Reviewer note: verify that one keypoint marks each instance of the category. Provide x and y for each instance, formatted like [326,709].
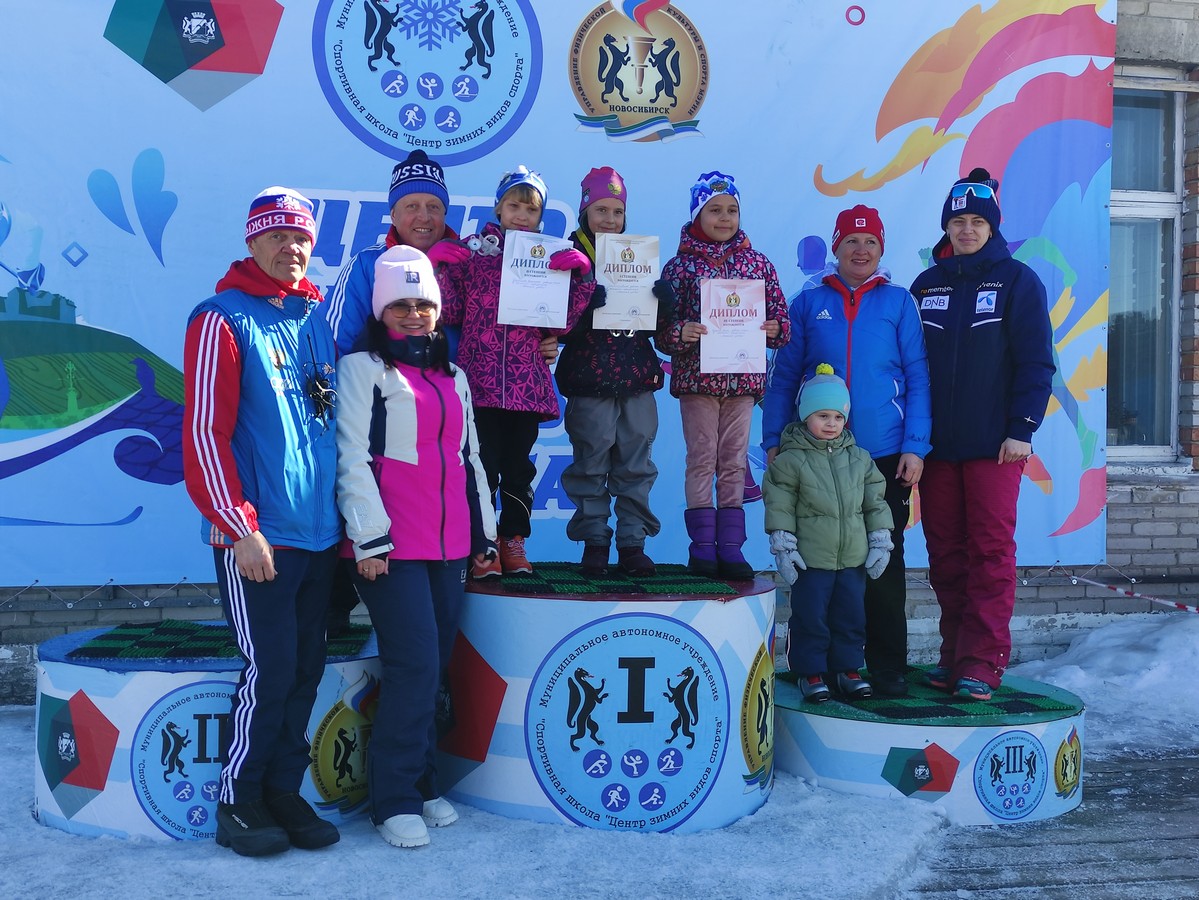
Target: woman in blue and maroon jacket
[990,361]
[409,485]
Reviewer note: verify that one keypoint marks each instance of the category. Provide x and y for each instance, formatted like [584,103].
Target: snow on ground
[806,842]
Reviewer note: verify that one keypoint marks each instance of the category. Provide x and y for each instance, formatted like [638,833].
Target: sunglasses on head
[424,308]
[981,191]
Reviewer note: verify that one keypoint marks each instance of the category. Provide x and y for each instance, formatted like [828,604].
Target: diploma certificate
[531,293]
[627,266]
[734,311]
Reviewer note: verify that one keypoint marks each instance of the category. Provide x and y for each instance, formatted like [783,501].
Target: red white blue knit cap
[709,185]
[403,273]
[280,207]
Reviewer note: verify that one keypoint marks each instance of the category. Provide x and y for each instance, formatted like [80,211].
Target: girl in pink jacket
[511,383]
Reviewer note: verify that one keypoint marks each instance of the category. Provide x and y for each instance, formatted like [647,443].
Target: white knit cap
[403,273]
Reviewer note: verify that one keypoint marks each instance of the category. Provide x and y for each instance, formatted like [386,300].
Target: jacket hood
[993,251]
[833,270]
[247,276]
[691,245]
[797,437]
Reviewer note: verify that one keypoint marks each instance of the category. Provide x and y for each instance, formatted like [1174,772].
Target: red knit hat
[859,220]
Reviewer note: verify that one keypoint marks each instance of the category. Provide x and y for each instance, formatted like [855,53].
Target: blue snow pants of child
[828,621]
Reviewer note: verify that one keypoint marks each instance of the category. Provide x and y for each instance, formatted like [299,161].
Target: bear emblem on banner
[639,70]
[455,80]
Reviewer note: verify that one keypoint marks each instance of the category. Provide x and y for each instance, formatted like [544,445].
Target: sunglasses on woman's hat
[981,191]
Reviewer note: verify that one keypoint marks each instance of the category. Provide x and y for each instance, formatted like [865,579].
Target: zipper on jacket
[440,458]
[849,338]
[837,490]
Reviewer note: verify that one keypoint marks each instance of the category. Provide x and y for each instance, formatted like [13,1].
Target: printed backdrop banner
[135,132]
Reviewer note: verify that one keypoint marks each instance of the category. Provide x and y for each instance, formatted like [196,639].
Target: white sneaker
[404,831]
[438,813]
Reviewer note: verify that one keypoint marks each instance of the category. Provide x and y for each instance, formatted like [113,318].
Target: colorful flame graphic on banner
[1058,225]
[639,10]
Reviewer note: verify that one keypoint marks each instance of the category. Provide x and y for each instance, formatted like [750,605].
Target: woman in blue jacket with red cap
[869,330]
[990,357]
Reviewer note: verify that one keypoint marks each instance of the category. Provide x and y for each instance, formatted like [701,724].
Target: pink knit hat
[600,184]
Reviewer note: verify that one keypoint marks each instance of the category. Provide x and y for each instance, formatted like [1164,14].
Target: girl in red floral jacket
[509,380]
[716,408]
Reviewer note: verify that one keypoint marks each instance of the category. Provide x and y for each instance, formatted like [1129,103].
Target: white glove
[786,555]
[879,553]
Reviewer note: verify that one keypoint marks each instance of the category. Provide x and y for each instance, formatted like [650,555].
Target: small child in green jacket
[829,528]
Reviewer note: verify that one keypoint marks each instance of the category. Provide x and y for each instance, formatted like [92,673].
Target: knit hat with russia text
[418,175]
[280,208]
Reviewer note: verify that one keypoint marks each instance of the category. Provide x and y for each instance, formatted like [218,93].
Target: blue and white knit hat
[418,175]
[709,185]
[824,390]
[521,175]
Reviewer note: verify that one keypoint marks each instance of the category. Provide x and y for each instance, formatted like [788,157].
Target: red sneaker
[512,556]
[488,571]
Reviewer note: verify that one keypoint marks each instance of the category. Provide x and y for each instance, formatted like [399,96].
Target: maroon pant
[968,510]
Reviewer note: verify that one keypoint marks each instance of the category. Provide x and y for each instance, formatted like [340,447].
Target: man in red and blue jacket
[260,460]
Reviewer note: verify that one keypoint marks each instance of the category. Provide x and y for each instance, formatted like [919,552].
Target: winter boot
[512,556]
[595,560]
[634,562]
[305,829]
[249,829]
[730,537]
[852,686]
[701,528]
[813,688]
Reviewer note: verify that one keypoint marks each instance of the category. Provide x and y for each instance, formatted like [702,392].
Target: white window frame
[1160,206]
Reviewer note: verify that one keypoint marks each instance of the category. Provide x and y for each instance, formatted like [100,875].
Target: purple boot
[730,537]
[701,528]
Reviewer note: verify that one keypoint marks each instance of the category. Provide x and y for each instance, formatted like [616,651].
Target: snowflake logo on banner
[454,78]
[430,22]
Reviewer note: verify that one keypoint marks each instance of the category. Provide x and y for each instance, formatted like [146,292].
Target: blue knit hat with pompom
[824,390]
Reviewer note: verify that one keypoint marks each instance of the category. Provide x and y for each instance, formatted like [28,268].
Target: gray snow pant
[611,437]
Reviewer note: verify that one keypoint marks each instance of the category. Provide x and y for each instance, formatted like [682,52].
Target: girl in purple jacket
[511,383]
[716,409]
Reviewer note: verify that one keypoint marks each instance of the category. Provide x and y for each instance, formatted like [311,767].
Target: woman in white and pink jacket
[413,494]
